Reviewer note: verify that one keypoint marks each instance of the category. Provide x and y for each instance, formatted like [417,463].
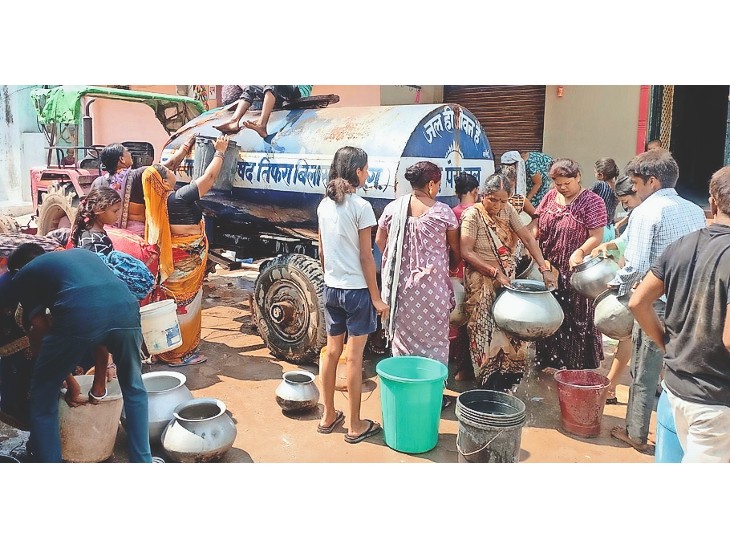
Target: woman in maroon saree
[570,225]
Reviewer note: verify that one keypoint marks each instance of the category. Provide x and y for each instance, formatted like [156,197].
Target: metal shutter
[512,116]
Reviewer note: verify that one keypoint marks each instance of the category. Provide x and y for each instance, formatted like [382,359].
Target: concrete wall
[367,96]
[116,121]
[590,122]
[21,146]
[411,95]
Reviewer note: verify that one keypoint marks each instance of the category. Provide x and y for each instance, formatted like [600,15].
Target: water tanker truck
[263,204]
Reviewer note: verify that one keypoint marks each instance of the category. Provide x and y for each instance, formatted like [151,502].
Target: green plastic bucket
[411,390]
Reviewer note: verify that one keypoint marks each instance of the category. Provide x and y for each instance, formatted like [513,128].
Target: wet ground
[242,373]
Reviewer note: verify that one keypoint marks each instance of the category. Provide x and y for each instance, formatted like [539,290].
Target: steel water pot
[527,310]
[527,269]
[612,316]
[297,391]
[200,431]
[165,391]
[591,277]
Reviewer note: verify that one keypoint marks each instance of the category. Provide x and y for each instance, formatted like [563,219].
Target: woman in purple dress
[570,225]
[415,233]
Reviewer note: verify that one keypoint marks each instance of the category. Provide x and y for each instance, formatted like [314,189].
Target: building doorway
[699,130]
[513,117]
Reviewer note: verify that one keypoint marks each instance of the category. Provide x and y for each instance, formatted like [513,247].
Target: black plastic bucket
[490,426]
[204,151]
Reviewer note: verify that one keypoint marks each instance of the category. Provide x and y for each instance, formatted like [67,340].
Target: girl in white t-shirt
[351,294]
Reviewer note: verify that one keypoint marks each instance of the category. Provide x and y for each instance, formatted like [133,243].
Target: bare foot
[620,434]
[228,127]
[256,127]
[465,374]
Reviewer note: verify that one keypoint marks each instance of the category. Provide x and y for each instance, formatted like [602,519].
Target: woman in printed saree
[127,181]
[490,232]
[175,223]
[415,233]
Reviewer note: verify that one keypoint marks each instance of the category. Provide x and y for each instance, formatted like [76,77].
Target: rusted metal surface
[282,313]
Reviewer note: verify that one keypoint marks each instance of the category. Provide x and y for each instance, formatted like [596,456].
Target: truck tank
[265,204]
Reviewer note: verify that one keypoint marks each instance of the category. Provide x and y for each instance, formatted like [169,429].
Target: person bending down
[76,285]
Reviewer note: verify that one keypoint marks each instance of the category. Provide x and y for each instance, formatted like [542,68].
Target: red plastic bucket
[582,396]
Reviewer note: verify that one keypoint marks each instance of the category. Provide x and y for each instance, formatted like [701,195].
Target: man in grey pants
[661,218]
[694,272]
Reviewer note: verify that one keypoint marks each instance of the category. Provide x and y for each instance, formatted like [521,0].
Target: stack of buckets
[490,426]
[411,391]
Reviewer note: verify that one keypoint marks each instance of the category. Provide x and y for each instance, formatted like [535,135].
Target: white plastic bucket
[160,328]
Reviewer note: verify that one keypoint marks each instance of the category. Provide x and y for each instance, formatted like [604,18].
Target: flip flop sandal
[372,429]
[194,359]
[339,419]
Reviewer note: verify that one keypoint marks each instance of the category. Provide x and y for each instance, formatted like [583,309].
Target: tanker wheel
[58,208]
[288,309]
[8,225]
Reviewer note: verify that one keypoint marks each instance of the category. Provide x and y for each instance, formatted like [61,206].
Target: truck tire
[8,225]
[288,308]
[58,208]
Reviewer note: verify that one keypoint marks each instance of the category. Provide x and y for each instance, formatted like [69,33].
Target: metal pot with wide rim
[201,431]
[528,310]
[527,269]
[590,277]
[612,316]
[297,392]
[165,391]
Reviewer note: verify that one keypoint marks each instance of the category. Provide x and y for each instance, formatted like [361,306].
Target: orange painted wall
[117,121]
[351,96]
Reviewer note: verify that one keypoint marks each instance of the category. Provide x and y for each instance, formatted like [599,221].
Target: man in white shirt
[662,218]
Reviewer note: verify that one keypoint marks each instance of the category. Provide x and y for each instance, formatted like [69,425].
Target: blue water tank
[279,182]
[668,448]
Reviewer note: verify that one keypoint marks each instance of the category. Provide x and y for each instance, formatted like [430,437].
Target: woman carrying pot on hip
[490,231]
